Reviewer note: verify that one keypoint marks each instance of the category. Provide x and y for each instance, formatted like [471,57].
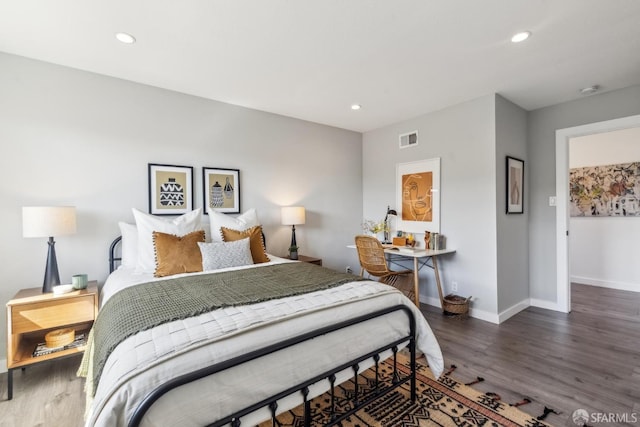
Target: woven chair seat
[373,261]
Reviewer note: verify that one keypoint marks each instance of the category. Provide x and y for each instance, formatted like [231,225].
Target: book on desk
[408,249]
[403,249]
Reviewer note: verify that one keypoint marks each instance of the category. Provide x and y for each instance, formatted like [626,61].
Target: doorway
[563,136]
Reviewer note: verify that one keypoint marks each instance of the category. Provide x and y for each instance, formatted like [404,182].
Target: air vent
[409,139]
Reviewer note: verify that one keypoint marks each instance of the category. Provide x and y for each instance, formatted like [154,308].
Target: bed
[248,361]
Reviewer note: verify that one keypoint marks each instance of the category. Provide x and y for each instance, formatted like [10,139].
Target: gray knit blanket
[146,305]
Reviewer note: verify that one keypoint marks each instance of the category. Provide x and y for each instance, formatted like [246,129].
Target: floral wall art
[608,190]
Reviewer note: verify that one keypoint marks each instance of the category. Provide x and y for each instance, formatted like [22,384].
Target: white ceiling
[312,59]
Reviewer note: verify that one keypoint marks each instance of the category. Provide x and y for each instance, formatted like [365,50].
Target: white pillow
[129,245]
[217,255]
[147,224]
[242,222]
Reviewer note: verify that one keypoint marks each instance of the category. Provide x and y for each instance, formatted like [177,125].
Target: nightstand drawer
[50,314]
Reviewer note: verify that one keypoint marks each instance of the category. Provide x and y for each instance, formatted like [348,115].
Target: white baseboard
[505,314]
[513,310]
[541,303]
[623,286]
[484,315]
[3,366]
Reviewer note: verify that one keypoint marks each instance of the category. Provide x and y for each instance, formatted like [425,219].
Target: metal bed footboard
[359,401]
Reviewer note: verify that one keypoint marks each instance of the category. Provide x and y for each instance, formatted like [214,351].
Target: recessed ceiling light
[520,37]
[589,90]
[356,107]
[126,38]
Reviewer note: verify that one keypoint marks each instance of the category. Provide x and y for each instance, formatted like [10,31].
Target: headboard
[112,254]
[113,250]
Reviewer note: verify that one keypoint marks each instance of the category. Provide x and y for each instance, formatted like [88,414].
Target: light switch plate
[552,200]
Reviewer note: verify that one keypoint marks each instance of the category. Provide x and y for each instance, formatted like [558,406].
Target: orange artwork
[416,196]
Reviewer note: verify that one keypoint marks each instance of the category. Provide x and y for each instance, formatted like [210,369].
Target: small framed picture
[170,189]
[221,190]
[515,185]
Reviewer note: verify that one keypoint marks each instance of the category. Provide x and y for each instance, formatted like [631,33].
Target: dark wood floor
[588,359]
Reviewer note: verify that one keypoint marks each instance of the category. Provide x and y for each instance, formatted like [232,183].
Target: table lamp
[49,221]
[386,224]
[293,215]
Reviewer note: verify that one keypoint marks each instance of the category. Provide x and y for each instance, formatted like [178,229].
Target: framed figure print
[221,190]
[418,196]
[515,185]
[170,189]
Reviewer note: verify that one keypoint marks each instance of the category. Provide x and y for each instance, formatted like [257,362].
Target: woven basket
[455,304]
[59,337]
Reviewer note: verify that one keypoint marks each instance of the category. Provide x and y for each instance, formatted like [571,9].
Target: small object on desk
[62,289]
[438,241]
[407,249]
[410,240]
[399,241]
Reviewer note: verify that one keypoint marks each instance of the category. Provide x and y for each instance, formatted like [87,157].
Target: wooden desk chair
[373,261]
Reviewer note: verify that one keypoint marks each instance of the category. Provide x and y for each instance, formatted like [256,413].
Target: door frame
[563,136]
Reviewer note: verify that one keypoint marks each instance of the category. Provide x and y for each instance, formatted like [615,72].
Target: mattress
[144,361]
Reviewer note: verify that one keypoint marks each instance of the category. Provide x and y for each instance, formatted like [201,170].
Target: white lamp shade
[48,221]
[293,215]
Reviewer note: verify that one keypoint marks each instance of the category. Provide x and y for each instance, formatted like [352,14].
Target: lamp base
[293,236]
[51,275]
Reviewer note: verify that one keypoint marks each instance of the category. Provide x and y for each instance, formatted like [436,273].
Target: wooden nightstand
[310,260]
[31,314]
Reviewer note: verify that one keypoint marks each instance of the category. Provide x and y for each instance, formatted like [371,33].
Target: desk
[421,258]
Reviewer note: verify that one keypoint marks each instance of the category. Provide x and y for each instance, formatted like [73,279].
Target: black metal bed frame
[303,388]
[112,254]
[359,400]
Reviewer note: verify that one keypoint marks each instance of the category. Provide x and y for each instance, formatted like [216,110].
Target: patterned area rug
[443,402]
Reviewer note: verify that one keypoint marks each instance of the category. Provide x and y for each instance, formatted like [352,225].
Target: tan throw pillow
[258,252]
[175,254]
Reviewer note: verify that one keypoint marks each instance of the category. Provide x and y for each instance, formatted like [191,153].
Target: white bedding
[142,362]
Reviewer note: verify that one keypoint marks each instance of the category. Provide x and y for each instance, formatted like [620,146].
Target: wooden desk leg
[434,261]
[416,287]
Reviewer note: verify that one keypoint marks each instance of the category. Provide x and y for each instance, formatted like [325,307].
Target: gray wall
[76,138]
[463,136]
[541,139]
[512,233]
